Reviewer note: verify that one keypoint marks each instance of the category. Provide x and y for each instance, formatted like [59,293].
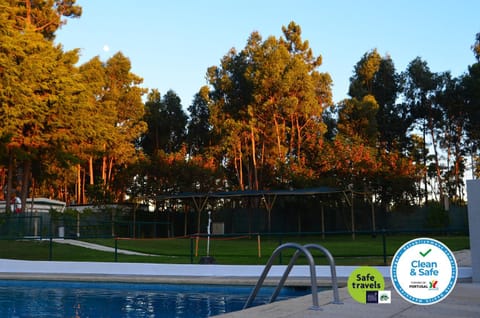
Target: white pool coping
[8,266]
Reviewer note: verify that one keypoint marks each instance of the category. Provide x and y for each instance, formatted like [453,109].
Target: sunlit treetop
[44,16]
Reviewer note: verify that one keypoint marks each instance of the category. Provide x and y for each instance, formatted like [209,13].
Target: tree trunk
[90,168]
[437,162]
[10,190]
[104,170]
[279,145]
[104,166]
[240,167]
[110,172]
[3,183]
[79,185]
[299,139]
[425,160]
[254,159]
[28,18]
[27,170]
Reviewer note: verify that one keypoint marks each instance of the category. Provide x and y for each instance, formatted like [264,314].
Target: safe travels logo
[366,285]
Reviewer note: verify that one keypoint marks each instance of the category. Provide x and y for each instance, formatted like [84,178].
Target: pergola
[268,197]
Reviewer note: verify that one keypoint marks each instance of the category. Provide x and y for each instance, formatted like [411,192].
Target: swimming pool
[85,299]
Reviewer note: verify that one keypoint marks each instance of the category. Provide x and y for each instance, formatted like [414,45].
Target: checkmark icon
[426,253]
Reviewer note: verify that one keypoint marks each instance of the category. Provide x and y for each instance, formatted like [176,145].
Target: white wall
[473,194]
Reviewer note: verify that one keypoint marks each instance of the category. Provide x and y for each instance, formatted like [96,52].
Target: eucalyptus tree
[198,128]
[123,99]
[357,120]
[451,100]
[266,104]
[97,121]
[372,128]
[166,122]
[420,90]
[375,75]
[166,168]
[173,123]
[362,81]
[231,93]
[150,141]
[471,85]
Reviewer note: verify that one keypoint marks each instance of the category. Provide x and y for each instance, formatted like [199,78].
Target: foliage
[265,121]
[43,16]
[166,123]
[437,217]
[266,107]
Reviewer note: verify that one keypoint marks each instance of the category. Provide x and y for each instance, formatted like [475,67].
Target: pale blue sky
[172,43]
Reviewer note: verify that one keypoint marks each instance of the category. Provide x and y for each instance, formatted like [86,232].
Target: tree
[394,119]
[376,76]
[452,137]
[43,16]
[476,47]
[471,88]
[371,134]
[357,120]
[199,128]
[151,139]
[173,122]
[166,123]
[362,82]
[231,94]
[39,94]
[266,105]
[123,96]
[97,119]
[420,89]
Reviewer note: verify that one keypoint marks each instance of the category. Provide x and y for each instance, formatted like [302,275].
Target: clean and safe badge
[424,271]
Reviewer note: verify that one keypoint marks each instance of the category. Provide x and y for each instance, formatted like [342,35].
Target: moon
[106,48]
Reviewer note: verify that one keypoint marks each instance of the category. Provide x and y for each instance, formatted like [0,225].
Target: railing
[313,275]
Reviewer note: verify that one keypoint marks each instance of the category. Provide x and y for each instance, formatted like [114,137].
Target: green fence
[22,226]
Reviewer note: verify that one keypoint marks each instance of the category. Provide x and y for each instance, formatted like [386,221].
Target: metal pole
[208,232]
[352,210]
[384,242]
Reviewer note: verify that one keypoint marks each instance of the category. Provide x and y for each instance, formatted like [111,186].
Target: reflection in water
[81,300]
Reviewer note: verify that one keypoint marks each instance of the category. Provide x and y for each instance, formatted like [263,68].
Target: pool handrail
[333,273]
[313,276]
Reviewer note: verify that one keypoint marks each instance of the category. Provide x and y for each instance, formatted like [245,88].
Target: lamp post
[208,259]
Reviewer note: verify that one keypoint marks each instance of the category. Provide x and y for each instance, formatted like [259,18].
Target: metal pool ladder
[313,275]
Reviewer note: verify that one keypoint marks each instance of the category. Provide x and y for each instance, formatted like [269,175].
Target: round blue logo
[424,271]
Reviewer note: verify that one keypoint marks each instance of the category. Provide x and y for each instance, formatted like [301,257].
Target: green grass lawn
[364,250]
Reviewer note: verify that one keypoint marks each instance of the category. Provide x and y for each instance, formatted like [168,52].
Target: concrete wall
[473,194]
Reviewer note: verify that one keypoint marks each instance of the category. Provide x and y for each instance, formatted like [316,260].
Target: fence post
[191,250]
[116,250]
[259,246]
[50,248]
[384,243]
[280,254]
[196,245]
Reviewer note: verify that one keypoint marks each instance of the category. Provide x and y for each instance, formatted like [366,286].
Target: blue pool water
[82,300]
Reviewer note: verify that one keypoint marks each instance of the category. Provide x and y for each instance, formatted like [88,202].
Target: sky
[172,43]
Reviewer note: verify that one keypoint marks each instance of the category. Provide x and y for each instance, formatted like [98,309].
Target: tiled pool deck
[464,301]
